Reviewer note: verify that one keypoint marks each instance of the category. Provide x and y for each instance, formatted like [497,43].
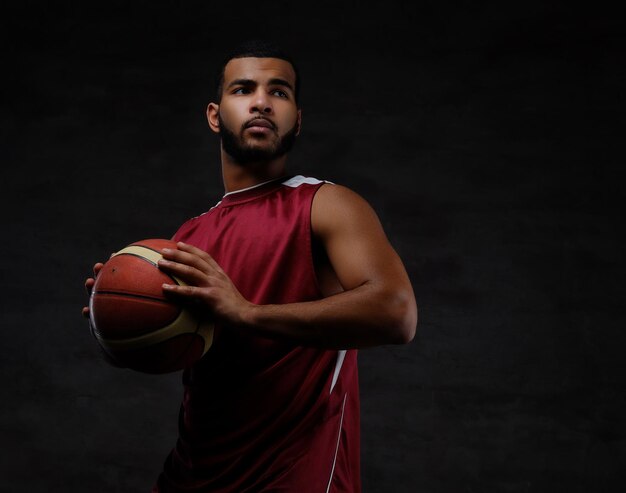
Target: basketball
[135,323]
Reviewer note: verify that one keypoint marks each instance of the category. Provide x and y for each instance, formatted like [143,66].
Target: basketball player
[298,274]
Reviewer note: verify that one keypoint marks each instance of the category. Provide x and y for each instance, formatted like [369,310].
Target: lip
[260,123]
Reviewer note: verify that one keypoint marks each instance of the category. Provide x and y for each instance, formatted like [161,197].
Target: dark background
[486,135]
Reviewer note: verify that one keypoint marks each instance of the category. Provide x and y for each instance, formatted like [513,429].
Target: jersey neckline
[253,192]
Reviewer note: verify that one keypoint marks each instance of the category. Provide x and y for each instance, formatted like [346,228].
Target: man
[298,274]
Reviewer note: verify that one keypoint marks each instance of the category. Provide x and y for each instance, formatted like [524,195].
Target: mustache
[256,118]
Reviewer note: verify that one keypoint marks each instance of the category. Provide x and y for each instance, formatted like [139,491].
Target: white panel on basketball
[183,324]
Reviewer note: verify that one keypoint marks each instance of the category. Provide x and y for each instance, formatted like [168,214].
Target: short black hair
[256,48]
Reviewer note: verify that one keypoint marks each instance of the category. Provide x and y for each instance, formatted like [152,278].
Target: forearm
[361,317]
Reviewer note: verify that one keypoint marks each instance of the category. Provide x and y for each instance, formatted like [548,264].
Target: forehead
[259,69]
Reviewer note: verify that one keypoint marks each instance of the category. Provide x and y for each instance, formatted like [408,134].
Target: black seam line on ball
[139,256]
[132,295]
[149,261]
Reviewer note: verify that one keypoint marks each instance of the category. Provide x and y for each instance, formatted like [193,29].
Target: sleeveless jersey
[261,414]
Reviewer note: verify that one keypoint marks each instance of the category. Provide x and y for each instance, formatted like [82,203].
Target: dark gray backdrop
[486,135]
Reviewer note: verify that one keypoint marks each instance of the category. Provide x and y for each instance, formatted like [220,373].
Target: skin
[368,298]
[260,97]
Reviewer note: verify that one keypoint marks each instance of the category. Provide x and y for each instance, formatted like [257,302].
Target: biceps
[359,257]
[353,239]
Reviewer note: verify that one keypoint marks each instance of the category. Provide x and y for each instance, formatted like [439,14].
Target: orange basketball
[135,323]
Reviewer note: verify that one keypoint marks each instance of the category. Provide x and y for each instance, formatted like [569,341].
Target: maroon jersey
[258,414]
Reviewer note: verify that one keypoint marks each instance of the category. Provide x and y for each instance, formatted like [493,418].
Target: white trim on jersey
[339,363]
[248,188]
[298,180]
[293,182]
[234,192]
[332,471]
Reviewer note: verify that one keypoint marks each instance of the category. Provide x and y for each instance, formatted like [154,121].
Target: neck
[237,176]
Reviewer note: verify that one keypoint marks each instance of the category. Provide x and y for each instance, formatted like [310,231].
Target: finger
[85,311]
[89,285]
[185,247]
[177,289]
[188,292]
[96,268]
[188,273]
[188,258]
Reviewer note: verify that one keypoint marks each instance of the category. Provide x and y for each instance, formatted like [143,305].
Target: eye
[280,93]
[241,90]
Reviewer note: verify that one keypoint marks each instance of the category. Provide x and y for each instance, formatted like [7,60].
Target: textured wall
[486,137]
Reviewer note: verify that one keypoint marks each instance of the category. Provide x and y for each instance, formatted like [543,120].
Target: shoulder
[331,192]
[337,206]
[194,223]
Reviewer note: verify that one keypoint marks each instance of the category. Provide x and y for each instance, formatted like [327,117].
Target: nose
[261,103]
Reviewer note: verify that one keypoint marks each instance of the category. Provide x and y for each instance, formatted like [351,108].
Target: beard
[245,153]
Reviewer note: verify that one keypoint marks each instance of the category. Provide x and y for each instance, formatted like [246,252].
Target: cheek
[289,119]
[231,116]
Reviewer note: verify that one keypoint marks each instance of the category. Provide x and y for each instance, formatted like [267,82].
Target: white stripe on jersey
[340,357]
[248,188]
[298,180]
[293,182]
[332,471]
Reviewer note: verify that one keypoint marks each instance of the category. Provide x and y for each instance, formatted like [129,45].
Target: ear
[212,112]
[299,122]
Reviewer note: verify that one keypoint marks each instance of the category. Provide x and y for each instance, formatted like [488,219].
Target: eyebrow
[250,82]
[280,82]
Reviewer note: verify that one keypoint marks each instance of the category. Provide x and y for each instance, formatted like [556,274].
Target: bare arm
[376,307]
